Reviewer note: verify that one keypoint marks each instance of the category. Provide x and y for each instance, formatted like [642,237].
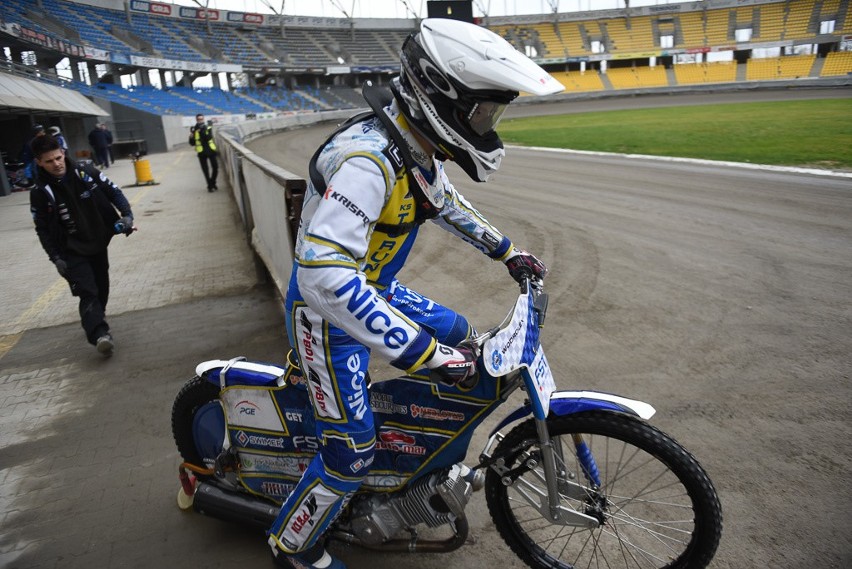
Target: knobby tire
[660,509]
[195,393]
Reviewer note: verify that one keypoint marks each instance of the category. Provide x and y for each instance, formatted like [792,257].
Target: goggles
[485,115]
[480,110]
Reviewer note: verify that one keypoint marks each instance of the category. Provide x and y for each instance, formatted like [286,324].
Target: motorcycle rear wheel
[657,506]
[195,394]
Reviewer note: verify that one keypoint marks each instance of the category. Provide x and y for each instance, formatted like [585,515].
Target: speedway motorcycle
[581,479]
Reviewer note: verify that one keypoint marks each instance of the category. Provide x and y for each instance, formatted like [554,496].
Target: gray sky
[397,8]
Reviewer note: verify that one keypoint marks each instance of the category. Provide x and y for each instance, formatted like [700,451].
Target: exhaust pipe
[413,545]
[215,502]
[247,510]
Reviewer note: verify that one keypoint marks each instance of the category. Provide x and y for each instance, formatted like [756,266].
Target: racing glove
[453,366]
[522,264]
[61,266]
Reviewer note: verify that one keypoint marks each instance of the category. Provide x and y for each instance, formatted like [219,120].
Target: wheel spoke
[633,547]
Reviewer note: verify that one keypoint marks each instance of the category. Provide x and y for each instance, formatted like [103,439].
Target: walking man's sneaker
[105,344]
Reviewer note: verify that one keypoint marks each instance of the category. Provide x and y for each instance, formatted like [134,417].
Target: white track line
[746,165]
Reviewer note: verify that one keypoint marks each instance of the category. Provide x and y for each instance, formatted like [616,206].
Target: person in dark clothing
[109,140]
[56,133]
[100,140]
[201,138]
[77,210]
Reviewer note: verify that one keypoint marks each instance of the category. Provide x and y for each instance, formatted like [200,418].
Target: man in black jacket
[74,210]
[101,139]
[201,138]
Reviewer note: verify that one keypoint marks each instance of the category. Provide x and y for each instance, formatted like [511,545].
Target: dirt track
[721,296]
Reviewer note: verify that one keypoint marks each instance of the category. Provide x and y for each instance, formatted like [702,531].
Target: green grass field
[813,133]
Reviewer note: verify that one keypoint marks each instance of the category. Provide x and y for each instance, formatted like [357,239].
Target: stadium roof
[20,93]
[409,8]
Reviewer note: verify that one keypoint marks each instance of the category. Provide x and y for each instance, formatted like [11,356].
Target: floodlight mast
[278,13]
[484,9]
[554,9]
[205,7]
[414,13]
[337,4]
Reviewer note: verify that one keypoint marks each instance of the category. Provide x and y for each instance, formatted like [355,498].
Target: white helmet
[457,79]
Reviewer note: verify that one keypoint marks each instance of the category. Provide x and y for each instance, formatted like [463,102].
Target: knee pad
[346,459]
[331,478]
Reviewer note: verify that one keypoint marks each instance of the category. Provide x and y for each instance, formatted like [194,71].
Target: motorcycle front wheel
[654,503]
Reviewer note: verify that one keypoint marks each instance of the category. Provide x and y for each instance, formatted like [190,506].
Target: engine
[435,500]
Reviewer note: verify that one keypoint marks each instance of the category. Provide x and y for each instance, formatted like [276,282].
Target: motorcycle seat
[242,372]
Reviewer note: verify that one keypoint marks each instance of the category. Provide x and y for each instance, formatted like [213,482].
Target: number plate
[542,383]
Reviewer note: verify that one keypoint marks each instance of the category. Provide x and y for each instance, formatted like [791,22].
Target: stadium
[141,63]
[718,292]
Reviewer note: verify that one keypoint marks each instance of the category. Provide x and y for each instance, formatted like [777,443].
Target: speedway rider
[372,184]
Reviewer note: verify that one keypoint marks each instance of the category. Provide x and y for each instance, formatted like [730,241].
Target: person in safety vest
[201,138]
[372,184]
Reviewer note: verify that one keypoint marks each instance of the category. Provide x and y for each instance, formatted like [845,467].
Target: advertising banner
[158,63]
[193,13]
[245,18]
[52,42]
[198,14]
[636,55]
[151,7]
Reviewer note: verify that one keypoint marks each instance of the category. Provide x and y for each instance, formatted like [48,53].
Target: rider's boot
[315,557]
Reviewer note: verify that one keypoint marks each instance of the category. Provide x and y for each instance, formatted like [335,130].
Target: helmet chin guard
[457,80]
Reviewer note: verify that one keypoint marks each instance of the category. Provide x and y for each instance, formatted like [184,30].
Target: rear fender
[570,402]
[208,427]
[239,371]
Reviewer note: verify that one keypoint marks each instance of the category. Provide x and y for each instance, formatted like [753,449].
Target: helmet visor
[485,115]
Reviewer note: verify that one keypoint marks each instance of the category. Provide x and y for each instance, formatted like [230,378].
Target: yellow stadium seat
[837,63]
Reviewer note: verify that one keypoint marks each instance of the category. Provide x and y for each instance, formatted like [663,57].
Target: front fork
[558,482]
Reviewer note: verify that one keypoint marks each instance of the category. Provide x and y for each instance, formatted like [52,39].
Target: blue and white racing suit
[344,303]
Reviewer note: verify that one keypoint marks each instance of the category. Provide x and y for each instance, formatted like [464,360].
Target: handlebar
[540,299]
[535,287]
[531,285]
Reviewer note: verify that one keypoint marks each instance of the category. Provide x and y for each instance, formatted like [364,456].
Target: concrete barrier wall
[267,195]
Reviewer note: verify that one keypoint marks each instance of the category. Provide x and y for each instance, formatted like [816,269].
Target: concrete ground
[88,470]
